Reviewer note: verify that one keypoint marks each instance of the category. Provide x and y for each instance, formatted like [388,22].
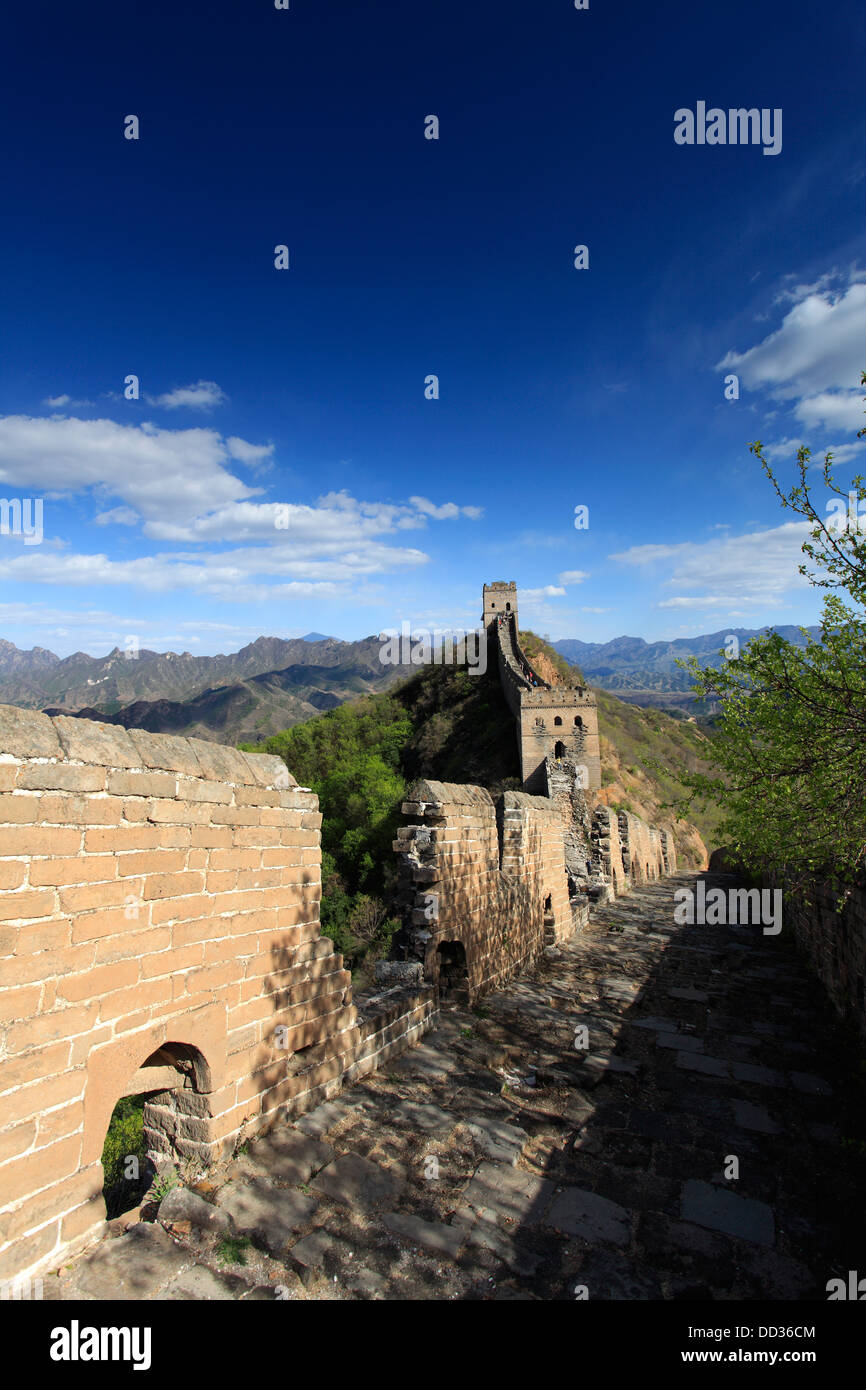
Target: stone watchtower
[499,598]
[556,722]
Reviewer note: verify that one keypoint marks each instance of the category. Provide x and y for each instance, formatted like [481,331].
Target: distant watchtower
[554,722]
[499,597]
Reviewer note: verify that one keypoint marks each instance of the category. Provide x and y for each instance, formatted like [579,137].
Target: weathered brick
[12,873]
[61,777]
[135,1002]
[183,909]
[122,839]
[25,906]
[172,885]
[27,734]
[192,789]
[18,1003]
[133,945]
[99,980]
[57,1026]
[166,752]
[171,812]
[221,764]
[97,868]
[268,770]
[19,808]
[151,862]
[89,896]
[85,741]
[141,784]
[35,1171]
[21,1254]
[167,963]
[39,839]
[15,1139]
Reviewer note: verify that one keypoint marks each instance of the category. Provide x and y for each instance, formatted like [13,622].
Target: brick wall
[487,875]
[833,942]
[159,933]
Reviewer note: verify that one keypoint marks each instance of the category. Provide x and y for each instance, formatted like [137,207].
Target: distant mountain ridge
[36,679]
[635,669]
[274,682]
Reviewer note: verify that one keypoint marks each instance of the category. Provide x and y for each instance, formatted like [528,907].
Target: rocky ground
[502,1159]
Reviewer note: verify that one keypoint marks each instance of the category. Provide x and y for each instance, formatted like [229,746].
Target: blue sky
[304,389]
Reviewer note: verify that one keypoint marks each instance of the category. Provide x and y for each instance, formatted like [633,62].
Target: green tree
[790,745]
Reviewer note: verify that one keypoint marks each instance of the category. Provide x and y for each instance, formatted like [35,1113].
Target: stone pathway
[498,1160]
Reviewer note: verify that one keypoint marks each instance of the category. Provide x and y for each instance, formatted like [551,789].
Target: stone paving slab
[589,1216]
[135,1266]
[357,1182]
[509,1193]
[725,1211]
[269,1214]
[433,1235]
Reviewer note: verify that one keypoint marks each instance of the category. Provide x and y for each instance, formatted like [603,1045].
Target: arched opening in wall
[549,922]
[161,1119]
[559,750]
[557,720]
[452,974]
[508,607]
[578,722]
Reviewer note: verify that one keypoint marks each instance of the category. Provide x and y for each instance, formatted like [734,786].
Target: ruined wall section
[489,876]
[548,717]
[159,933]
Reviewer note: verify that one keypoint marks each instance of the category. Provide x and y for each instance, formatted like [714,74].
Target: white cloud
[837,410]
[572,576]
[754,568]
[117,516]
[202,395]
[531,596]
[173,474]
[587,609]
[57,402]
[815,357]
[713,601]
[248,453]
[448,511]
[783,449]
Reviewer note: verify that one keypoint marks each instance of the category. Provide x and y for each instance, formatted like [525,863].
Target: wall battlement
[487,884]
[159,934]
[552,721]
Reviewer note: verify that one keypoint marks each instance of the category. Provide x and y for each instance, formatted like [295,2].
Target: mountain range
[646,673]
[267,686]
[275,682]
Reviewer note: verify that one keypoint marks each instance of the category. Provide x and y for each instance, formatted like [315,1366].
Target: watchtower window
[578,722]
[508,607]
[559,750]
[539,722]
[557,720]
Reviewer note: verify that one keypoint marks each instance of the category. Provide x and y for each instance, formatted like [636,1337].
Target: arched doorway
[559,750]
[549,922]
[452,973]
[162,1117]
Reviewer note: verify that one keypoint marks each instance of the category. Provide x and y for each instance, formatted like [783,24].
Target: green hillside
[450,726]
